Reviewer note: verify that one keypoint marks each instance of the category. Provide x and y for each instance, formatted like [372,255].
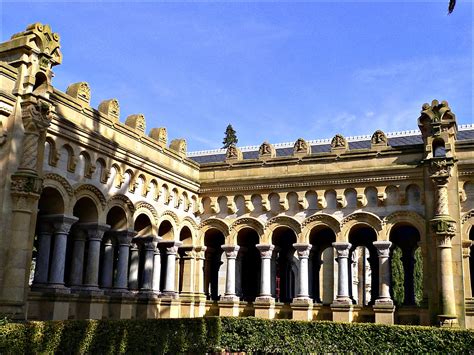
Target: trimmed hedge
[201,335]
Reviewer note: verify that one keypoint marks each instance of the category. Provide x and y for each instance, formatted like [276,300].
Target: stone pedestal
[384,312]
[90,307]
[302,309]
[229,308]
[121,306]
[148,306]
[264,307]
[170,308]
[341,312]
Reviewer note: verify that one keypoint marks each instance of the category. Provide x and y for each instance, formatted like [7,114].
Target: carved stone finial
[436,119]
[80,91]
[339,143]
[233,153]
[137,122]
[111,109]
[379,139]
[160,135]
[301,147]
[179,145]
[41,37]
[266,150]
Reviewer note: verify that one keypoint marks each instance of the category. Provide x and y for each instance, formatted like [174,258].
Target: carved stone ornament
[36,118]
[443,226]
[266,250]
[137,122]
[160,135]
[3,135]
[111,109]
[179,145]
[80,91]
[266,150]
[233,153]
[26,183]
[300,147]
[379,138]
[440,168]
[342,249]
[44,39]
[435,118]
[338,141]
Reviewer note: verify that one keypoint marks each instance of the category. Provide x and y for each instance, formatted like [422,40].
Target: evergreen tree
[398,277]
[230,137]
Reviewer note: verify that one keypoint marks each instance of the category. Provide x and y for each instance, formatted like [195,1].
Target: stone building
[113,223]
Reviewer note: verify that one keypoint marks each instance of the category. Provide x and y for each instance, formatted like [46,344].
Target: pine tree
[230,137]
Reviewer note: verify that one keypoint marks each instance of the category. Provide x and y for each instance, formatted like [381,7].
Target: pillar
[342,250]
[121,279]
[200,277]
[107,264]
[134,262]
[266,251]
[303,251]
[383,306]
[61,228]
[171,250]
[95,233]
[42,258]
[149,250]
[231,252]
[187,272]
[78,248]
[156,266]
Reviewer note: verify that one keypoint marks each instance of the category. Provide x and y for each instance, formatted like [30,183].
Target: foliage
[201,335]
[230,137]
[398,277]
[418,276]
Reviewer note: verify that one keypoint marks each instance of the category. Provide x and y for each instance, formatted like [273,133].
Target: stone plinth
[264,307]
[341,312]
[169,308]
[302,309]
[229,307]
[384,312]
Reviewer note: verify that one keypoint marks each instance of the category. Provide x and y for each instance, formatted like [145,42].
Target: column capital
[62,224]
[383,248]
[170,246]
[95,231]
[124,237]
[303,249]
[200,252]
[231,251]
[265,250]
[342,249]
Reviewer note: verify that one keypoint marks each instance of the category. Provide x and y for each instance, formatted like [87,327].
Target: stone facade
[100,220]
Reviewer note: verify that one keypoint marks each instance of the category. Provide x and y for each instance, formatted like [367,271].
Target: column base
[342,301]
[264,307]
[200,305]
[448,320]
[302,308]
[148,306]
[229,306]
[170,308]
[342,312]
[169,294]
[121,305]
[384,312]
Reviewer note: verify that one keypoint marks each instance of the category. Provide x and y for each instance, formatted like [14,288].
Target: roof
[395,139]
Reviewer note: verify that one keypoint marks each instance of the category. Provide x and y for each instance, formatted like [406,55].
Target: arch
[366,218]
[125,203]
[153,188]
[439,148]
[86,209]
[117,177]
[247,222]
[92,192]
[41,84]
[53,155]
[143,225]
[215,223]
[60,183]
[413,195]
[117,218]
[467,221]
[350,196]
[51,201]
[170,216]
[405,217]
[68,161]
[186,236]
[190,223]
[286,221]
[101,165]
[167,230]
[316,220]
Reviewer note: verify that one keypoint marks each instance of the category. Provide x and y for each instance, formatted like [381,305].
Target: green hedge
[202,335]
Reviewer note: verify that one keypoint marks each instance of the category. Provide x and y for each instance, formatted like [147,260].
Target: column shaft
[42,258]
[107,265]
[265,280]
[342,250]
[383,251]
[231,252]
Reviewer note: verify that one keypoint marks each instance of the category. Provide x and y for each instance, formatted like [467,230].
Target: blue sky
[276,71]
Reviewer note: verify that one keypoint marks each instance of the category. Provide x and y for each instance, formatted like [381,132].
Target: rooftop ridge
[252,148]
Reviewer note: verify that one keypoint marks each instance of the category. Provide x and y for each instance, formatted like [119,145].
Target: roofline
[252,148]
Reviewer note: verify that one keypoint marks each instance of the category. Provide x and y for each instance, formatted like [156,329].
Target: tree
[452,4]
[230,137]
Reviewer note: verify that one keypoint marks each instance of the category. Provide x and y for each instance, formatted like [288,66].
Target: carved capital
[383,248]
[303,250]
[342,249]
[442,226]
[266,250]
[231,251]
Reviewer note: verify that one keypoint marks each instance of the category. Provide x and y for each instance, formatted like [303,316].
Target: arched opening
[41,84]
[50,203]
[165,231]
[86,210]
[284,264]
[248,265]
[322,265]
[117,219]
[407,266]
[213,270]
[439,149]
[364,269]
[144,229]
[471,259]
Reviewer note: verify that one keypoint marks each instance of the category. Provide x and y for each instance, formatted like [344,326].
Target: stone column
[149,250]
[134,262]
[443,228]
[44,234]
[303,255]
[231,252]
[77,264]
[156,266]
[95,233]
[121,279]
[61,229]
[171,250]
[383,252]
[187,264]
[266,251]
[342,250]
[199,281]
[107,264]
